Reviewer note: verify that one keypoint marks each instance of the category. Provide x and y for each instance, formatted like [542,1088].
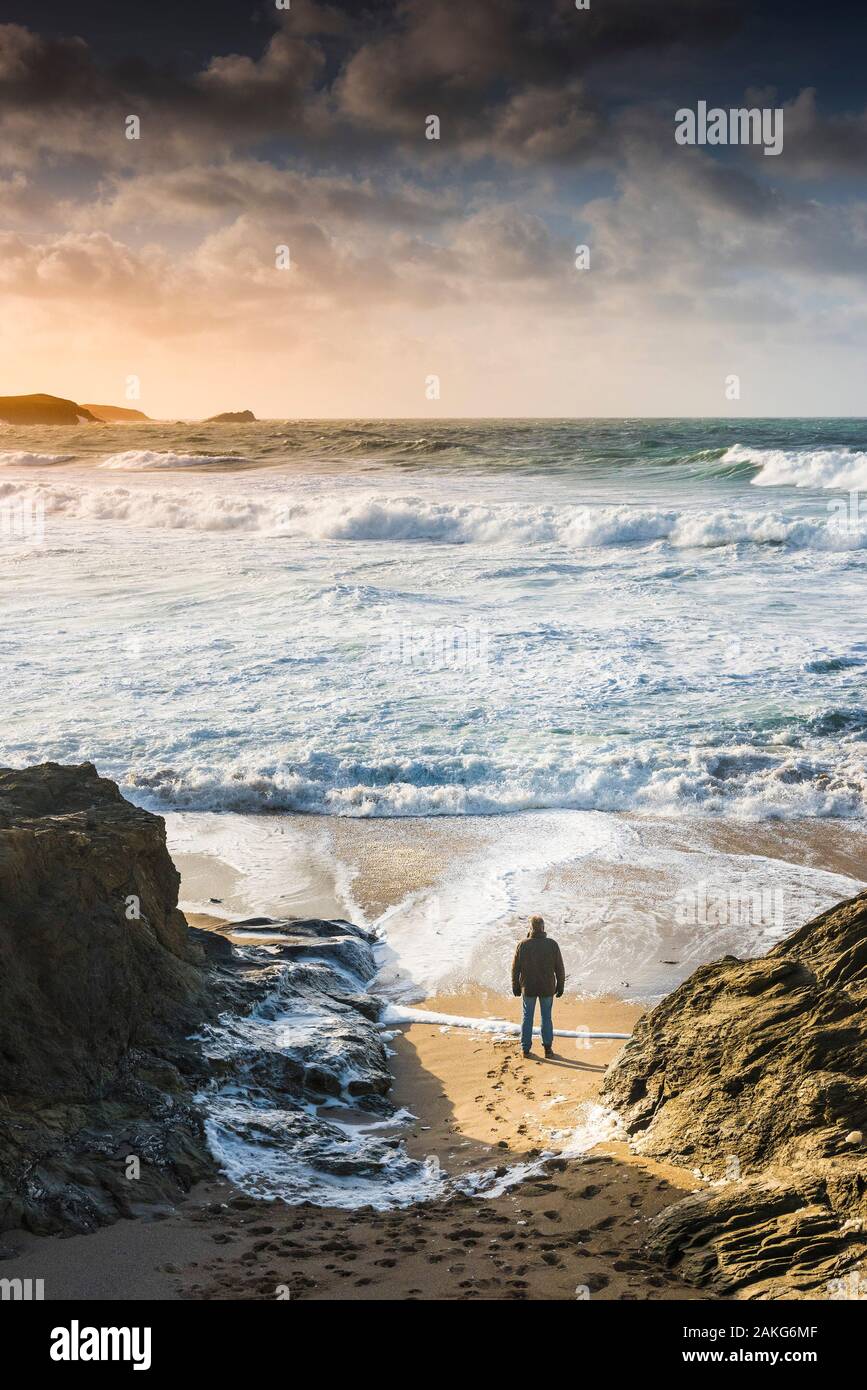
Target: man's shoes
[526,1052]
[549,1052]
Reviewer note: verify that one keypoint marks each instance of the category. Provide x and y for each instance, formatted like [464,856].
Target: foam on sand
[395,1014]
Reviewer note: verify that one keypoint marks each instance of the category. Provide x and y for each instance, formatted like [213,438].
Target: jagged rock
[755,1072]
[95,958]
[100,982]
[232,417]
[757,1240]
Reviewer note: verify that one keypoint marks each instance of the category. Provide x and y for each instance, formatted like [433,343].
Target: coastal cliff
[755,1073]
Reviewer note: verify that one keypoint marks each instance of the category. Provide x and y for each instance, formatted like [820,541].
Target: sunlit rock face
[755,1073]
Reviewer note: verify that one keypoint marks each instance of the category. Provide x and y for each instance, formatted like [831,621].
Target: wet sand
[636,902]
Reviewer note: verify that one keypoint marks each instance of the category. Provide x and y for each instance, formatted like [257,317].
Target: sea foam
[368,517]
[818,468]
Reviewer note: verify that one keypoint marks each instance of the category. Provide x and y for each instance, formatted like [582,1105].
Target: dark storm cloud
[504,78]
[48,72]
[436,50]
[526,84]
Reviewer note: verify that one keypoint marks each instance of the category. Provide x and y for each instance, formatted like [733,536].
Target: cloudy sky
[411,258]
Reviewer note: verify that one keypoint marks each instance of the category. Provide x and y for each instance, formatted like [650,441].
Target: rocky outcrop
[110,414]
[101,981]
[755,1073]
[232,417]
[43,410]
[95,958]
[295,1083]
[136,1054]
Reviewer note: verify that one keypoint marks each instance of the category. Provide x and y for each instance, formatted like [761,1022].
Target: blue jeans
[545,1003]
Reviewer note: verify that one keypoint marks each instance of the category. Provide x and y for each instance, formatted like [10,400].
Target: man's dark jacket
[538,967]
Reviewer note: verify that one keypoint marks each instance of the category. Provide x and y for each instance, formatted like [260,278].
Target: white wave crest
[370,517]
[819,468]
[146,460]
[21,459]
[774,782]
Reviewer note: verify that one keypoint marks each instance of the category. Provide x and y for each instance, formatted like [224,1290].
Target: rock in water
[296,1102]
[755,1072]
[232,417]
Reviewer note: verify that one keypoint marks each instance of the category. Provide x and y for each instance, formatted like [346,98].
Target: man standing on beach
[537,973]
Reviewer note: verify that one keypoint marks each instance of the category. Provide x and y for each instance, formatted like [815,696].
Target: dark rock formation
[755,1072]
[232,417]
[43,410]
[310,1040]
[95,958]
[125,1035]
[100,983]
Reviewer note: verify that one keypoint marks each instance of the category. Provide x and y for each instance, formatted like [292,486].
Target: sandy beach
[572,1229]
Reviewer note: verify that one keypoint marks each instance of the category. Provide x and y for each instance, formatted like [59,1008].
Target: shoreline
[449,896]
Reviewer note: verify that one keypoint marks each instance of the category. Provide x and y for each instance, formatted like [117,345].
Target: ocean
[566,640]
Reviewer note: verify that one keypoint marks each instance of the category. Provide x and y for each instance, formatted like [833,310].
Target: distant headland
[110,414]
[42,409]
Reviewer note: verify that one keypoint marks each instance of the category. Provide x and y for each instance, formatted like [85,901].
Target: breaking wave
[372,517]
[818,468]
[146,460]
[21,459]
[774,782]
